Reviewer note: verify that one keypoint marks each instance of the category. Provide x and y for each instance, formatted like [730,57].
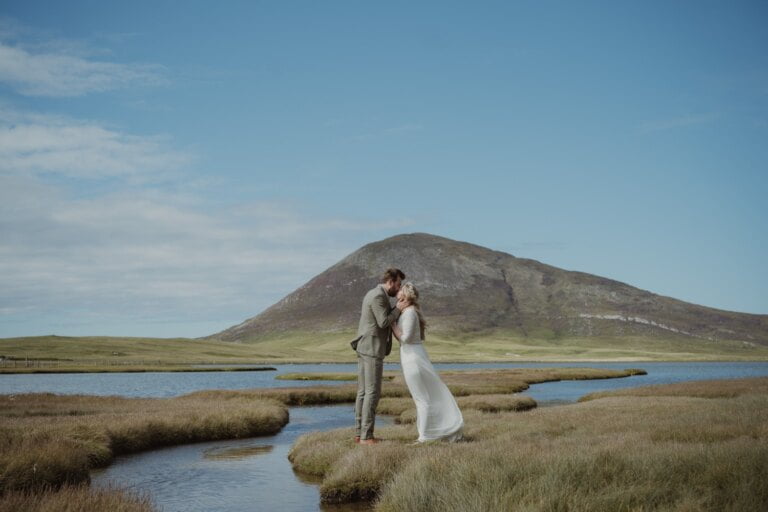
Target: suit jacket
[375,329]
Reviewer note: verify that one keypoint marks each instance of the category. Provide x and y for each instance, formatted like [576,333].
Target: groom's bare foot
[372,440]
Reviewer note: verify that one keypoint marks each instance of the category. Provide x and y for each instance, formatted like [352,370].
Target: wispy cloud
[677,122]
[38,144]
[44,66]
[156,256]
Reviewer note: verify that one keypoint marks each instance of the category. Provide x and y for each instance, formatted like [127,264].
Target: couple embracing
[437,415]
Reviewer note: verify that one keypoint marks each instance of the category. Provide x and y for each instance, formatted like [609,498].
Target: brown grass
[49,440]
[654,449]
[460,382]
[729,388]
[76,498]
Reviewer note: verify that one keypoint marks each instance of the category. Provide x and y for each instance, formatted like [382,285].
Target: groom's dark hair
[392,274]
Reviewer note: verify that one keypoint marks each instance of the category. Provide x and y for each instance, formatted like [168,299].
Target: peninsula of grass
[50,442]
[460,382]
[696,446]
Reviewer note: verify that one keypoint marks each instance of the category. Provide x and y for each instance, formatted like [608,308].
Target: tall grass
[649,449]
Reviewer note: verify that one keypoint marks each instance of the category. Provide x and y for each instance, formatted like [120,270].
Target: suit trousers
[369,372]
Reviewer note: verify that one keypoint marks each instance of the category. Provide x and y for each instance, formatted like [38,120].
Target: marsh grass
[76,498]
[460,382]
[49,440]
[405,412]
[693,446]
[698,388]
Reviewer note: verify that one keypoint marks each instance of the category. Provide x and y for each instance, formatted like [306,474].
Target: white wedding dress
[437,413]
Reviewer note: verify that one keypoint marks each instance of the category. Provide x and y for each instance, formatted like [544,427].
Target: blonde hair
[411,294]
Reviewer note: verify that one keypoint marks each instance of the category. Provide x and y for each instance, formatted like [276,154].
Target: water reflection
[236,453]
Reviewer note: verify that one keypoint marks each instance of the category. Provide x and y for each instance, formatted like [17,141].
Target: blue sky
[171,171]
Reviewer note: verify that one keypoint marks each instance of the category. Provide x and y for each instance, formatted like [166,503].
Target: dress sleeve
[410,326]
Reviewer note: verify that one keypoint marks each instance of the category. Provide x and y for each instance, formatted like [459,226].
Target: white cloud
[157,257]
[41,144]
[54,71]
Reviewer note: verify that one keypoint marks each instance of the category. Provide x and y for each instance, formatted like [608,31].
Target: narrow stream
[234,475]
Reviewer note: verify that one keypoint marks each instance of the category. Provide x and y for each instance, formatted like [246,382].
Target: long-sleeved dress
[437,413]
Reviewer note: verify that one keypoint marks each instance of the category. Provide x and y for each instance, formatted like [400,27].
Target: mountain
[467,289]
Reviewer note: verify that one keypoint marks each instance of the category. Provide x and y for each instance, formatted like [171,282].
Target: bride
[437,414]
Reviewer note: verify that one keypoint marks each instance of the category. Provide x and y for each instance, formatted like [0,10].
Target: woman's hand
[396,331]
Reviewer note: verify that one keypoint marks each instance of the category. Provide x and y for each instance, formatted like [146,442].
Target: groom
[373,343]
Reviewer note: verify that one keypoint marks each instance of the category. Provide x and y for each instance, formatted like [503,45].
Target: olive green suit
[374,342]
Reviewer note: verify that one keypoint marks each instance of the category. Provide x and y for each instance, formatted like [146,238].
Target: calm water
[254,474]
[158,384]
[232,476]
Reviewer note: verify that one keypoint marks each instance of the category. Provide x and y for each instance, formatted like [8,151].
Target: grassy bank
[48,440]
[460,382]
[76,498]
[692,446]
[309,347]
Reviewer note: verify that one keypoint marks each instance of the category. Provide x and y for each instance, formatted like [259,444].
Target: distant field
[76,352]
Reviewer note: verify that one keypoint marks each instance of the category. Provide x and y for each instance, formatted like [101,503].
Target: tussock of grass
[654,452]
[80,498]
[50,440]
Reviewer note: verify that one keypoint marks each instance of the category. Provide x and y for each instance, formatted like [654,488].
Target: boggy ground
[49,443]
[689,447]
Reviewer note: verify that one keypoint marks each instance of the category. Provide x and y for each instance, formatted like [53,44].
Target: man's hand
[402,304]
